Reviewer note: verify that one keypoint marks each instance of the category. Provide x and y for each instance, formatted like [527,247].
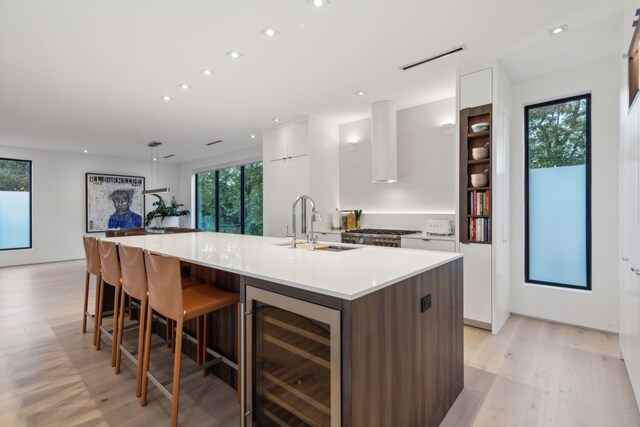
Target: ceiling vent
[434,57]
[154,144]
[169,156]
[384,153]
[214,142]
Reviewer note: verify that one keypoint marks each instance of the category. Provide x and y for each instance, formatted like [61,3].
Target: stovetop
[381,231]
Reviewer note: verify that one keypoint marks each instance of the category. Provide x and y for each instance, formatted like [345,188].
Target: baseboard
[477,324]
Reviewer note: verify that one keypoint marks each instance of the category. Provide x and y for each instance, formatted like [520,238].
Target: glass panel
[253,199]
[230,193]
[15,204]
[292,369]
[557,198]
[206,201]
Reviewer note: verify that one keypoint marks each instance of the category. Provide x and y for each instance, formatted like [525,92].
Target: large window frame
[243,196]
[30,163]
[588,156]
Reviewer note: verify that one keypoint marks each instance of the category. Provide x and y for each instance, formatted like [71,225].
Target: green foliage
[557,135]
[15,175]
[163,211]
[230,193]
[253,199]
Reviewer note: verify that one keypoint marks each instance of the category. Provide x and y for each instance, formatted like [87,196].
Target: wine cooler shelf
[293,383]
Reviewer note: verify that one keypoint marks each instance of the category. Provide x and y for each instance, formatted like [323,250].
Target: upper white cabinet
[287,141]
[476,89]
[301,157]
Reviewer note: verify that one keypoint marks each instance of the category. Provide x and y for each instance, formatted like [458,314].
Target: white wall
[599,308]
[426,164]
[59,200]
[186,172]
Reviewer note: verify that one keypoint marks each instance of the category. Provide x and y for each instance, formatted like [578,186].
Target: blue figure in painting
[123,217]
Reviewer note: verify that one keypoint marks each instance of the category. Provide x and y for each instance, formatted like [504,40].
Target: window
[230,200]
[558,193]
[15,204]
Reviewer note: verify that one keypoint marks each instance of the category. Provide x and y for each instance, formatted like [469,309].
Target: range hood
[384,144]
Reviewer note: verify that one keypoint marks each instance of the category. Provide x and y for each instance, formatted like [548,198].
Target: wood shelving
[475,202]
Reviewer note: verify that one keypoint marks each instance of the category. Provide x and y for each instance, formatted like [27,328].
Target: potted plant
[163,211]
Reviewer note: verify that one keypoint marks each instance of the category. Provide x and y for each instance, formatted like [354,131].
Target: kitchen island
[349,335]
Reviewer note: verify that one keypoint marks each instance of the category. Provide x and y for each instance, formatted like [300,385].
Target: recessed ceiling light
[166,98]
[270,32]
[86,151]
[276,120]
[155,159]
[234,54]
[184,86]
[558,30]
[361,93]
[318,3]
[253,137]
[206,72]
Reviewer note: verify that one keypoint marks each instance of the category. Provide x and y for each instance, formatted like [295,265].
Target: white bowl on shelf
[480,153]
[480,127]
[480,179]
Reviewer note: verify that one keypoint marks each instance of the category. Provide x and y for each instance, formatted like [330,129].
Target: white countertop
[346,274]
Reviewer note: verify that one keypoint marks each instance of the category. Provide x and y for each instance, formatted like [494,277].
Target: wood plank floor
[534,373]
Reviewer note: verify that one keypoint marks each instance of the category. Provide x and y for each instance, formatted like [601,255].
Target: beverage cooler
[292,371]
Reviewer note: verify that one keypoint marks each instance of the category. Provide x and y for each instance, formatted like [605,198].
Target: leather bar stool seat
[93,268]
[110,264]
[134,285]
[168,298]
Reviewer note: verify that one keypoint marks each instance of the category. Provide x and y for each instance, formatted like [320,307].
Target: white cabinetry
[288,141]
[304,159]
[486,265]
[429,244]
[476,89]
[629,261]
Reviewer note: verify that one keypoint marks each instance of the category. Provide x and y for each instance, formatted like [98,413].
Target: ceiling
[81,74]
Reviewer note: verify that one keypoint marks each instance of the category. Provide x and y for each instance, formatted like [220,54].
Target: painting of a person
[123,217]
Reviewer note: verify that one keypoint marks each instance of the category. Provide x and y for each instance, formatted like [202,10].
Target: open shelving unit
[475,202]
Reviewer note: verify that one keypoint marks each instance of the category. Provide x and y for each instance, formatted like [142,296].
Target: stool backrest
[165,284]
[91,254]
[109,262]
[134,275]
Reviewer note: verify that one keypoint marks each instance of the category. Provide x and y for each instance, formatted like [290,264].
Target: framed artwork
[114,201]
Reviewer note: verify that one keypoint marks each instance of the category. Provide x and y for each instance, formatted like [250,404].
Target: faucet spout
[314,216]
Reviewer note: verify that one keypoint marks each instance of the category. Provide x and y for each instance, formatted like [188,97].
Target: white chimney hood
[384,144]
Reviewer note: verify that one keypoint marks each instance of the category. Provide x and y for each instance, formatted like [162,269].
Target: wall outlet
[425,303]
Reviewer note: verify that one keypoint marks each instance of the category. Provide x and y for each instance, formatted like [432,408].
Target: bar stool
[93,267]
[134,285]
[110,274]
[167,297]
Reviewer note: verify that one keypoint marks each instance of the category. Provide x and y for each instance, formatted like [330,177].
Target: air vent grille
[433,58]
[169,156]
[214,142]
[154,144]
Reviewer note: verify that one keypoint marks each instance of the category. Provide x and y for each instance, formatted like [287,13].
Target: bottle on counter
[336,219]
[351,221]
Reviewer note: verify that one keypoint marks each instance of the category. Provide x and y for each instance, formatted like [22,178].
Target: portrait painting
[114,202]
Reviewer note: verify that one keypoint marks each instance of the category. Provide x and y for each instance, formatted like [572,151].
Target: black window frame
[243,196]
[587,97]
[30,162]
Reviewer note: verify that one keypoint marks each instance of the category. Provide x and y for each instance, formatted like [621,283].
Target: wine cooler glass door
[293,362]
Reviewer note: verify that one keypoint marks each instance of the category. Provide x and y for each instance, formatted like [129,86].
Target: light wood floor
[534,373]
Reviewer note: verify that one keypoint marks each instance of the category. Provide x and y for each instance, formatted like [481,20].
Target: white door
[477,283]
[476,89]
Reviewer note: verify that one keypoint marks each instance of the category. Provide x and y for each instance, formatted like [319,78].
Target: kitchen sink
[320,247]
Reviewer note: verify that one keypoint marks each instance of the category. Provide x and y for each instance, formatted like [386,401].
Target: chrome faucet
[315,216]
